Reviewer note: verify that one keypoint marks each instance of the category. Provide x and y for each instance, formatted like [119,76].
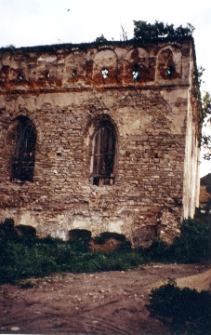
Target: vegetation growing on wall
[101,39]
[206,137]
[145,30]
[204,108]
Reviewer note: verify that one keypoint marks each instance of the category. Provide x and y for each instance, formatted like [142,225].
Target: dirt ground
[107,303]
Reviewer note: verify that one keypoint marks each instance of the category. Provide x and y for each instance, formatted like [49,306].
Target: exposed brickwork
[62,91]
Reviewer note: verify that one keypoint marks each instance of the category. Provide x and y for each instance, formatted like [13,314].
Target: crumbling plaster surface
[151,119]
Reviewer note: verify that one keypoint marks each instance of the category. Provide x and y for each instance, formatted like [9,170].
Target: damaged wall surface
[101,137]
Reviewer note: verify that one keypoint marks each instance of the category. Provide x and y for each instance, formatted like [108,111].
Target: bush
[157,252]
[185,311]
[193,245]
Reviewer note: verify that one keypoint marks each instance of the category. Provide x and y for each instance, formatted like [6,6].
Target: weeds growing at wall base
[25,257]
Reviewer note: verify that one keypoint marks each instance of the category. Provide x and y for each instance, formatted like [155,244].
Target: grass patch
[22,257]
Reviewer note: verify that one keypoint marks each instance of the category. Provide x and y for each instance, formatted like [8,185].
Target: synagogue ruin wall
[138,94]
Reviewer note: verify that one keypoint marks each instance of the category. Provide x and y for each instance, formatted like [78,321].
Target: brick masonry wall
[150,119]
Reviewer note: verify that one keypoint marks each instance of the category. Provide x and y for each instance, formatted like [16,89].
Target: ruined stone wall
[63,91]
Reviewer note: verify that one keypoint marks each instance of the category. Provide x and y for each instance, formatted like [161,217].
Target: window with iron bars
[104,155]
[23,158]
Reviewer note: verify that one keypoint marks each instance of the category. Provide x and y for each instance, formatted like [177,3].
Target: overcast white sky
[41,22]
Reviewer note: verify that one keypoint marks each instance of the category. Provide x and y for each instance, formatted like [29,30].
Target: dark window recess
[23,158]
[104,155]
[20,78]
[170,70]
[136,72]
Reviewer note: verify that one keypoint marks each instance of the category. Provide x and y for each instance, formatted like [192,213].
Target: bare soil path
[106,303]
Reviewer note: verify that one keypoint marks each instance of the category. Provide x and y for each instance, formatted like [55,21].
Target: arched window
[23,141]
[103,156]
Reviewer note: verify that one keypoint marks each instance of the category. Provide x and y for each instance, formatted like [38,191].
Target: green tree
[146,30]
[101,39]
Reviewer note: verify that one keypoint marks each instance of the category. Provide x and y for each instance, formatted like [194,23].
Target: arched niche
[46,69]
[76,68]
[136,65]
[4,67]
[169,63]
[105,67]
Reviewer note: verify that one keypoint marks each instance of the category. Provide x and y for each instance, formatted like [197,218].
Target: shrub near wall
[194,243]
[192,246]
[186,311]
